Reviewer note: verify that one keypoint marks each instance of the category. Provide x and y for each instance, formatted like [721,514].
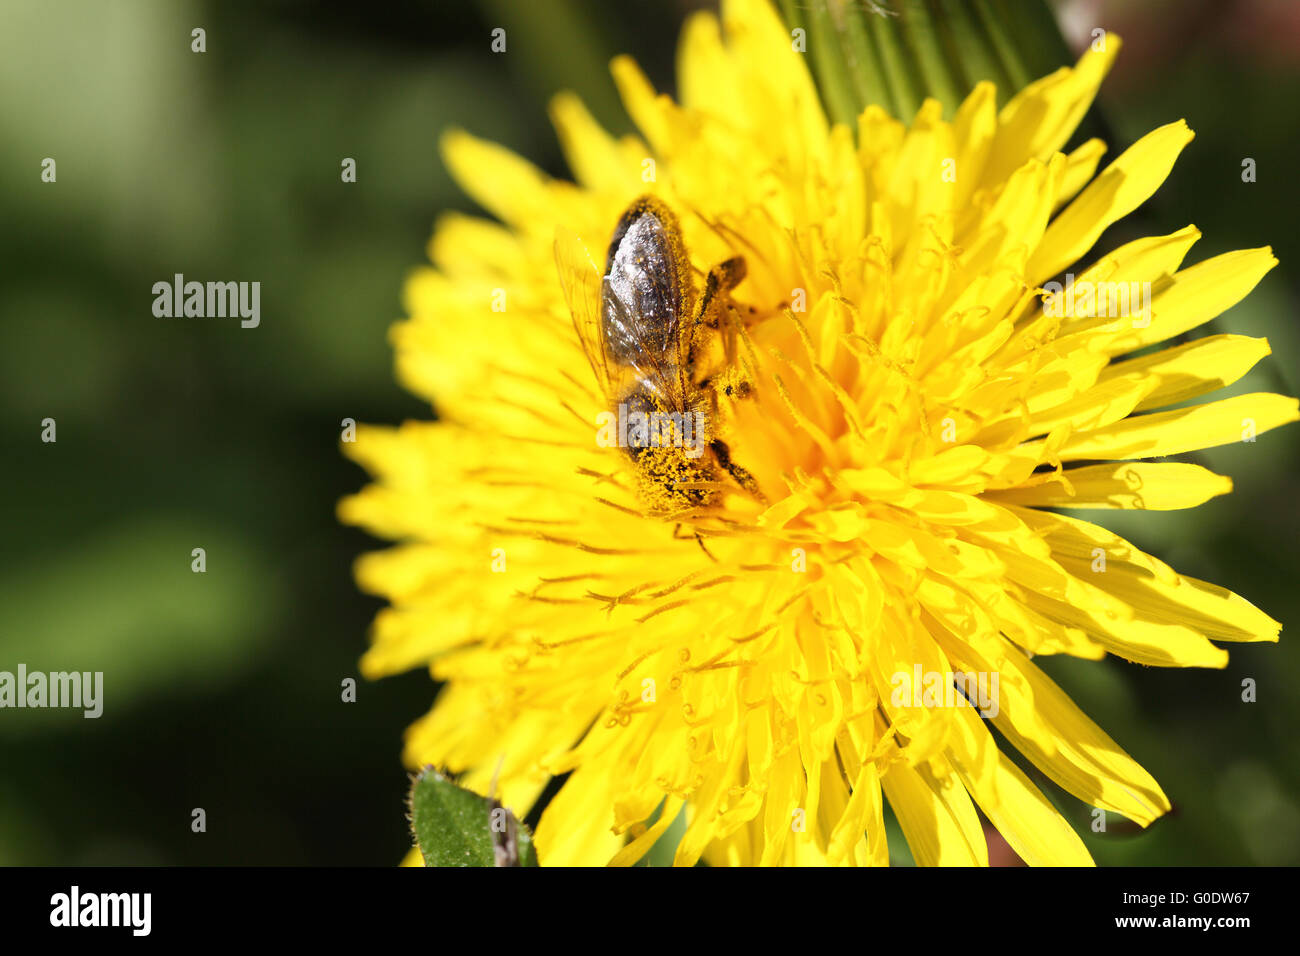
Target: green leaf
[896,53]
[457,827]
[665,848]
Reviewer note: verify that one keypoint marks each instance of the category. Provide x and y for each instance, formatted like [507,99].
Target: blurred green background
[222,690]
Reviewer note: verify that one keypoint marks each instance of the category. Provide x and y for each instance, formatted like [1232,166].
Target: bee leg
[722,278]
[742,477]
[729,273]
[738,390]
[698,540]
[733,321]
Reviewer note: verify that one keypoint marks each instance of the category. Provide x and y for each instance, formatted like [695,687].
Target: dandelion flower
[917,410]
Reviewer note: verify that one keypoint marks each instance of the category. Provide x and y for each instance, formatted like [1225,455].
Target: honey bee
[647,331]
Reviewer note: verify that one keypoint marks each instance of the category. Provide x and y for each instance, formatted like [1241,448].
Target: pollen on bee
[733,383]
[666,476]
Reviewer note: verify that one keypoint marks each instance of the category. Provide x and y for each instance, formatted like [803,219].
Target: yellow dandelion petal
[1185,429]
[1126,184]
[884,382]
[936,816]
[1147,485]
[1039,119]
[1080,165]
[1015,806]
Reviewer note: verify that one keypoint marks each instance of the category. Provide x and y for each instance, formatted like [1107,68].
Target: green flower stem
[896,53]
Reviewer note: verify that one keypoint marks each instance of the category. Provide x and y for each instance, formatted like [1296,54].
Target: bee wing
[581,282]
[644,298]
[642,330]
